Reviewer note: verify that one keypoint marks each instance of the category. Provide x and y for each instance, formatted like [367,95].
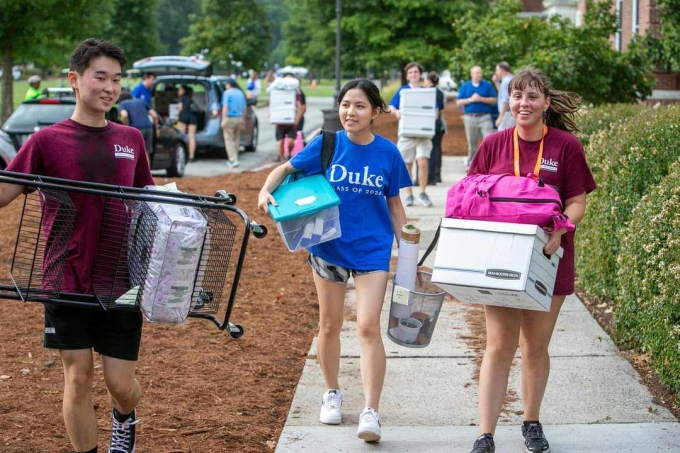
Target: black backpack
[327,149]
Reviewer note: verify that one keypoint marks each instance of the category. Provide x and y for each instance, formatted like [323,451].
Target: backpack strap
[431,246]
[327,150]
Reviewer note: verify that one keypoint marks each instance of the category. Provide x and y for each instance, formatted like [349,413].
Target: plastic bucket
[414,314]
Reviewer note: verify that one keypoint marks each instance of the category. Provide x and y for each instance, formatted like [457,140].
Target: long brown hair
[564,105]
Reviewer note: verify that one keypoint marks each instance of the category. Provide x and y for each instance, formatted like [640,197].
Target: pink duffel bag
[507,198]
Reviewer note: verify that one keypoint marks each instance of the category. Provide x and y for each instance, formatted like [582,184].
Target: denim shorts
[333,273]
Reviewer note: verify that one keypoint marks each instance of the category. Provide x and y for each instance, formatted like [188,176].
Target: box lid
[303,197]
[498,227]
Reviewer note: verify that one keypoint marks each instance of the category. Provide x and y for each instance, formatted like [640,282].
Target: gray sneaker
[409,201]
[425,200]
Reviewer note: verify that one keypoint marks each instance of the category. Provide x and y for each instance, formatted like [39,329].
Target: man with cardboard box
[417,118]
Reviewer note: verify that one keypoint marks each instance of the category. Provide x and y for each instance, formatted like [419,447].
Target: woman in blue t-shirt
[366,172]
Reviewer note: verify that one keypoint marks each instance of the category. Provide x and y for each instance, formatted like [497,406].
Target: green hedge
[625,161]
[648,309]
[599,119]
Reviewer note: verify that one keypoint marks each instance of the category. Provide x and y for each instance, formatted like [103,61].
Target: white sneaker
[331,403]
[369,425]
[233,164]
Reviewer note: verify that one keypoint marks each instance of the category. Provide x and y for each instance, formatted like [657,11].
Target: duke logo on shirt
[339,173]
[123,152]
[549,165]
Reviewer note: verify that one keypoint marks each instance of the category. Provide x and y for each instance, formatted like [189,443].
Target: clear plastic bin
[310,230]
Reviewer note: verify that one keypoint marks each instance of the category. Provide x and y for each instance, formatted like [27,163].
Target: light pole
[338,33]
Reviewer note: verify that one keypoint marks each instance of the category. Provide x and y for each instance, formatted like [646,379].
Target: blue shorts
[333,273]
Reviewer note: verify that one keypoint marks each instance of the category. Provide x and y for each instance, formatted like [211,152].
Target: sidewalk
[594,401]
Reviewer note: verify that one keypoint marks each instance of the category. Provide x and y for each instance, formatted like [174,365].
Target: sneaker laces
[120,438]
[333,400]
[534,431]
[369,415]
[484,441]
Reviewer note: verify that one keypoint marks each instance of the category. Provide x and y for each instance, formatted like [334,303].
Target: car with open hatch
[174,71]
[170,145]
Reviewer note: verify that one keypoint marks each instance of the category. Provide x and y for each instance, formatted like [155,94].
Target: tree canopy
[376,34]
[230,33]
[133,27]
[666,45]
[44,30]
[578,59]
[173,23]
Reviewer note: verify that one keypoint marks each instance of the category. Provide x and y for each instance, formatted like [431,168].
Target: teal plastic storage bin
[307,213]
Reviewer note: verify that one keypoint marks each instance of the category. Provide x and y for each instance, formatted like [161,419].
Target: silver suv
[172,72]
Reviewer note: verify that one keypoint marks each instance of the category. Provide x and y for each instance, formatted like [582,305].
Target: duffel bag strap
[432,245]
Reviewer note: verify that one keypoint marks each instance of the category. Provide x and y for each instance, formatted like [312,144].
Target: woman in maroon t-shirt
[545,146]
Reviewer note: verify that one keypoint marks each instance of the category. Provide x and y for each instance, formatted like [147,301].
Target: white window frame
[635,17]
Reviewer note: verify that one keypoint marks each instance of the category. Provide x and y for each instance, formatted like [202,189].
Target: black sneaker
[484,444]
[534,439]
[123,434]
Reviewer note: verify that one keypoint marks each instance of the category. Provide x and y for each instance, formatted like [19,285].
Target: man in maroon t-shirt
[87,147]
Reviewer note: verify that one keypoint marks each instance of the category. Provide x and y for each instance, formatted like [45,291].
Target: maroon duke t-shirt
[113,154]
[563,166]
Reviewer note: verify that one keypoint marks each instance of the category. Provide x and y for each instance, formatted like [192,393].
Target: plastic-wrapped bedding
[173,259]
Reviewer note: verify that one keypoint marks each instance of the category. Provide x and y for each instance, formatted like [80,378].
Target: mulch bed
[202,391]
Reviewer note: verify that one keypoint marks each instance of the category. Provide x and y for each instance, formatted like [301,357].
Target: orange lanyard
[537,168]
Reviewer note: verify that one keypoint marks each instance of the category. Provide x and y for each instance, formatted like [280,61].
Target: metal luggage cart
[127,228]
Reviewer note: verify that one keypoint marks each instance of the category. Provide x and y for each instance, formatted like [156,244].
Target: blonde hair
[564,105]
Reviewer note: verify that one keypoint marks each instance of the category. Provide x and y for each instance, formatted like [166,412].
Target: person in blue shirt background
[143,89]
[136,113]
[367,172]
[477,98]
[233,119]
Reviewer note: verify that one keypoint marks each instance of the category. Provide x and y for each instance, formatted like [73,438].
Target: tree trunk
[7,89]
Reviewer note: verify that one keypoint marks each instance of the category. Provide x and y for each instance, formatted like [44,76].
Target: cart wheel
[235,331]
[229,198]
[259,231]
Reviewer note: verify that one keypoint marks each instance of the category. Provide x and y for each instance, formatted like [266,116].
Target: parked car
[170,145]
[174,71]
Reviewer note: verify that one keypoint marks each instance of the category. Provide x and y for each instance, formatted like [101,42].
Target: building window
[635,16]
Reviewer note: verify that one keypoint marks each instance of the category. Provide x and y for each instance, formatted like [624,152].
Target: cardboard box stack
[282,106]
[418,112]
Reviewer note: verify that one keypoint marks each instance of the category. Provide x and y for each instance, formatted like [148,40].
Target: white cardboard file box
[495,263]
[422,99]
[282,105]
[416,124]
[282,115]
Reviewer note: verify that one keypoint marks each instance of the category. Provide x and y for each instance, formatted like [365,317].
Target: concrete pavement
[594,401]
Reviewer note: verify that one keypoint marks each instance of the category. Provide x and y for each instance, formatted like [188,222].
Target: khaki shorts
[412,148]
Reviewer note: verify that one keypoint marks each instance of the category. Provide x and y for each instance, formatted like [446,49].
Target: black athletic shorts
[283,130]
[114,333]
[188,117]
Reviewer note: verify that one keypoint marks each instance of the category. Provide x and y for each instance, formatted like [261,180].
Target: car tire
[253,142]
[178,161]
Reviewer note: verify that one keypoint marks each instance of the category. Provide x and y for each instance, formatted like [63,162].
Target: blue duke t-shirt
[363,176]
